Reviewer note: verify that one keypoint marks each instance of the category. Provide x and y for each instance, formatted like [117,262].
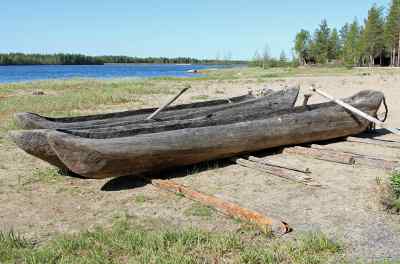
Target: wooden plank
[266,224]
[358,112]
[365,160]
[278,164]
[379,142]
[320,154]
[153,115]
[276,171]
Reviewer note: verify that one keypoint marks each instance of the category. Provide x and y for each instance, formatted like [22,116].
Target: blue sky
[171,28]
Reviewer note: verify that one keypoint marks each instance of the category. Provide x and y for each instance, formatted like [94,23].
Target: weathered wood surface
[266,224]
[35,142]
[364,160]
[378,142]
[249,110]
[359,112]
[278,100]
[269,162]
[153,115]
[100,158]
[35,121]
[320,154]
[276,171]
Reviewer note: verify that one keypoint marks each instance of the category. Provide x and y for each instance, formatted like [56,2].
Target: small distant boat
[140,153]
[35,141]
[193,71]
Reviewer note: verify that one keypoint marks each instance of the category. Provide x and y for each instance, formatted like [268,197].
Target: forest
[375,42]
[79,59]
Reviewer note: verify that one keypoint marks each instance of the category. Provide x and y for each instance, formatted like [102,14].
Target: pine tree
[373,35]
[320,44]
[334,45]
[392,32]
[302,46]
[283,58]
[351,51]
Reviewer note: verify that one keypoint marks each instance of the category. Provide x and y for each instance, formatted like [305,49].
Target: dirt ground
[347,207]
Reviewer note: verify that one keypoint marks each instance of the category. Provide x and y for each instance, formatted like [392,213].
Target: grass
[127,243]
[394,202]
[199,210]
[140,199]
[200,97]
[389,192]
[67,97]
[49,175]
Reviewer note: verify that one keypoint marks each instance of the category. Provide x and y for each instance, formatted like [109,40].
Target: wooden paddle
[168,103]
[357,112]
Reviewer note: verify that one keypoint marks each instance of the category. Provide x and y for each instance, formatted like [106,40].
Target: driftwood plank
[266,224]
[365,160]
[321,154]
[276,171]
[379,142]
[278,164]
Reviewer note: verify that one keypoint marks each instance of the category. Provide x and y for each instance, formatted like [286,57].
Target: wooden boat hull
[35,121]
[101,158]
[35,141]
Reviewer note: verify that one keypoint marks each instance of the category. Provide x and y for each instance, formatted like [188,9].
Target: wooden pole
[279,165]
[365,160]
[153,115]
[266,224]
[357,112]
[378,142]
[280,172]
[325,155]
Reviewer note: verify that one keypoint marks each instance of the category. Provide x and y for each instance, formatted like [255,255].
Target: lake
[9,74]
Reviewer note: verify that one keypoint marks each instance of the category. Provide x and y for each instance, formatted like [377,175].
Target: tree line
[79,59]
[374,42]
[265,60]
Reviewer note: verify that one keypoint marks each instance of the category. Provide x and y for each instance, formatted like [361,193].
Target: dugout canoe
[35,121]
[35,142]
[130,155]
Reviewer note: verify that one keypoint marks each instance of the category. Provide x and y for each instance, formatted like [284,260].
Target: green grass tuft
[48,175]
[395,183]
[199,210]
[127,243]
[140,199]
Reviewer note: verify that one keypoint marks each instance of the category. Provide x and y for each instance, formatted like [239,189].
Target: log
[153,115]
[358,112]
[321,154]
[266,224]
[257,109]
[276,171]
[283,99]
[378,142]
[35,142]
[101,158]
[278,164]
[35,121]
[365,160]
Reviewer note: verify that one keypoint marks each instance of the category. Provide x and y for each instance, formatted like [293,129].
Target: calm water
[10,74]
